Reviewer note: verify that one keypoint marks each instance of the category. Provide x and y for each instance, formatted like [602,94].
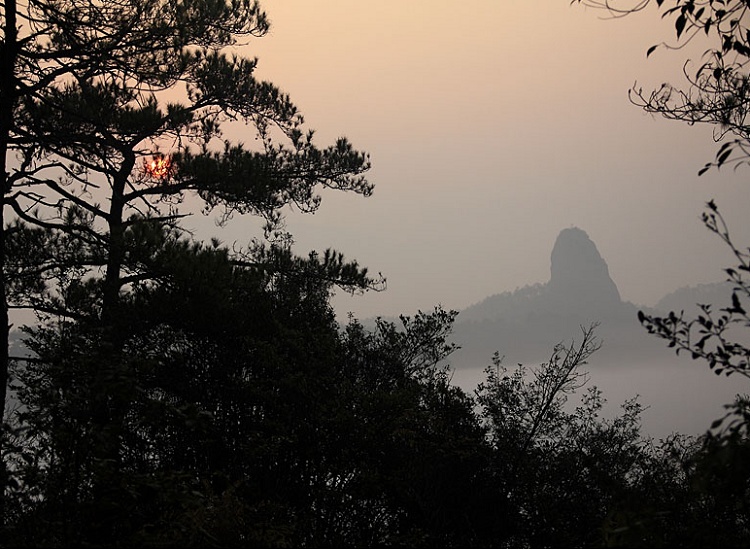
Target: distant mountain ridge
[719,295]
[680,394]
[525,324]
[579,285]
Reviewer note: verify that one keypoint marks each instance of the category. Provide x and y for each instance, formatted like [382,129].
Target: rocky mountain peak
[579,276]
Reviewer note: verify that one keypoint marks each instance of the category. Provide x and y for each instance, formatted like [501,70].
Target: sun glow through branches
[160,167]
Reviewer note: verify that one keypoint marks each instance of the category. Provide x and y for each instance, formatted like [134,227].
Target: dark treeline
[236,412]
[178,393]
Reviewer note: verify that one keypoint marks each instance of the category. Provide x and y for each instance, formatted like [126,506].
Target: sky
[493,125]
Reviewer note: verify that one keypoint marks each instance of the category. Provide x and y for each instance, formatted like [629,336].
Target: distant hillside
[579,285]
[524,325]
[505,305]
[687,298]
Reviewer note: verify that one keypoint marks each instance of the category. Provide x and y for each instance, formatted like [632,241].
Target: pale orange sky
[493,125]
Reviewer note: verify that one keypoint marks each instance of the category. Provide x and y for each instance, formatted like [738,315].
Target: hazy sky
[493,125]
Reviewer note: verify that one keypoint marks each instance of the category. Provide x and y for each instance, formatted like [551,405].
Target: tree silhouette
[712,499]
[91,96]
[716,90]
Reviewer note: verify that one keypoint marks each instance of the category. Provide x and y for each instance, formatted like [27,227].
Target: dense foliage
[241,415]
[236,412]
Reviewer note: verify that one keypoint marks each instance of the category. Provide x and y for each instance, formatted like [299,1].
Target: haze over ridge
[524,325]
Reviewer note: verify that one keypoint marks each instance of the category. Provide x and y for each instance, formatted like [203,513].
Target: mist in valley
[680,394]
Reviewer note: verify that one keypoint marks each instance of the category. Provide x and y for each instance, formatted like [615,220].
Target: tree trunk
[8,99]
[110,406]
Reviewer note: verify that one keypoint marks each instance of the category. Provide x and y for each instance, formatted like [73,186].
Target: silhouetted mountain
[525,324]
[685,299]
[579,285]
[579,277]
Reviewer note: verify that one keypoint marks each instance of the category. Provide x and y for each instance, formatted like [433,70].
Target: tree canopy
[715,91]
[110,113]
